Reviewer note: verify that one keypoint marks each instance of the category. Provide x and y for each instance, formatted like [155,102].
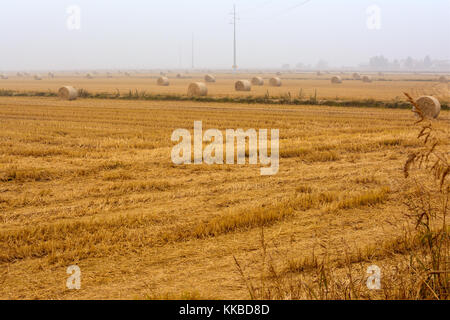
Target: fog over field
[44,35]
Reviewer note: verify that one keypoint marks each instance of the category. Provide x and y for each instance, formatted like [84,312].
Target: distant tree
[379,62]
[427,63]
[322,64]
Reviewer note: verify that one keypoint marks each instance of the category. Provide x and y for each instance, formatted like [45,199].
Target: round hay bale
[258,81]
[197,89]
[367,79]
[163,81]
[443,79]
[127,74]
[243,85]
[336,79]
[37,77]
[68,93]
[51,75]
[275,82]
[318,73]
[210,78]
[19,74]
[278,73]
[429,106]
[89,76]
[381,74]
[3,77]
[179,76]
[356,76]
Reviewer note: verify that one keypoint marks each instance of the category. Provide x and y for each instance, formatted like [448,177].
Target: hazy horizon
[157,35]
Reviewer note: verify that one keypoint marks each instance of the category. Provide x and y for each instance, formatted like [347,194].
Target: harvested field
[91,182]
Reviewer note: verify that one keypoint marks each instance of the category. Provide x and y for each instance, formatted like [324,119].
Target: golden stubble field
[305,85]
[91,183]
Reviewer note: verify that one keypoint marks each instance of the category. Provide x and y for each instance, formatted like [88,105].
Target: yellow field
[91,183]
[306,85]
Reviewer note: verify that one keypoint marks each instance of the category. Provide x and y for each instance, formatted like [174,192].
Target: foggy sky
[137,34]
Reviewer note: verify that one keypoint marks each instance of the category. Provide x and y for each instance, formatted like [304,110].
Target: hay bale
[257,81]
[443,79]
[367,79]
[278,73]
[318,73]
[19,74]
[430,106]
[3,77]
[68,93]
[163,81]
[127,74]
[356,76]
[336,79]
[89,76]
[243,85]
[37,77]
[210,78]
[51,75]
[275,82]
[197,89]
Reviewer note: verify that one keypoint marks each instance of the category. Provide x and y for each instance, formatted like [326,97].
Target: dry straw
[443,79]
[430,107]
[243,85]
[163,81]
[336,79]
[275,82]
[367,79]
[197,89]
[356,76]
[68,93]
[258,81]
[210,78]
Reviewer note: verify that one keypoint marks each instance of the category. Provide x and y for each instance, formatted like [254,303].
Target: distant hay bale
[243,85]
[179,76]
[367,79]
[210,78]
[275,82]
[68,93]
[278,73]
[51,75]
[336,79]
[89,76]
[381,74]
[19,74]
[356,76]
[258,81]
[127,74]
[163,81]
[430,106]
[109,75]
[319,73]
[443,79]
[37,77]
[3,77]
[197,89]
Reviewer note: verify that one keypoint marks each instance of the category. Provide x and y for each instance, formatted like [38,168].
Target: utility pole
[234,39]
